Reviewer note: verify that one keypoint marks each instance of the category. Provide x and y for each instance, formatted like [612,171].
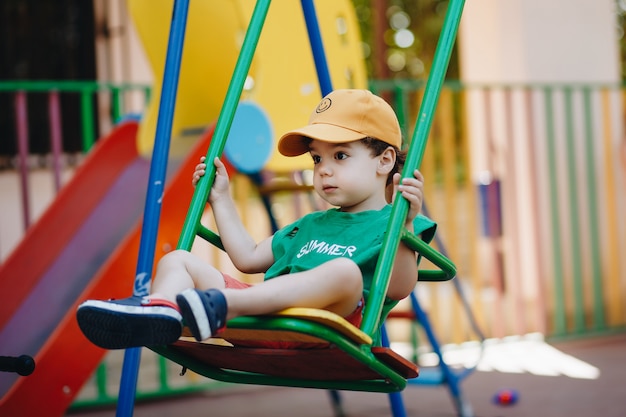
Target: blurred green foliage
[410,32]
[621,30]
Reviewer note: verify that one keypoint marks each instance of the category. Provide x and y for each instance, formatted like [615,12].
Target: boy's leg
[179,270]
[336,286]
[147,321]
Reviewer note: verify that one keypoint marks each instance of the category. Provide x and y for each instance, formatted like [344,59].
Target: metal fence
[527,182]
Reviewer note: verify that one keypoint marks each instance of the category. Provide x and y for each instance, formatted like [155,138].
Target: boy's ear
[386,160]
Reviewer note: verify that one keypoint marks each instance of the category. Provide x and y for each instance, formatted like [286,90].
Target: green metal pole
[147,95]
[560,324]
[594,228]
[573,184]
[102,382]
[86,109]
[192,221]
[401,109]
[414,159]
[116,103]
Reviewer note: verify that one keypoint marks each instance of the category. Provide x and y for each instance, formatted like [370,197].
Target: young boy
[324,260]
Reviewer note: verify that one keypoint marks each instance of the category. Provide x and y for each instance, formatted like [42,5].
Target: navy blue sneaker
[129,322]
[204,312]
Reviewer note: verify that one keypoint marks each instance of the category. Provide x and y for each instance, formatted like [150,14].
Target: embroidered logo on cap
[324,105]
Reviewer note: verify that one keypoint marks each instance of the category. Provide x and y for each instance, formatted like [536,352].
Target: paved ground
[596,387]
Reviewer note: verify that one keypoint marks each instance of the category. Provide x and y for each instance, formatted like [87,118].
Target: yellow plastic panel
[283,76]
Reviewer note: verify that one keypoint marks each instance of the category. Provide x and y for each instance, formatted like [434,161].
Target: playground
[537,283]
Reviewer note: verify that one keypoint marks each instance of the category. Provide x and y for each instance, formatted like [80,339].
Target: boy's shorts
[355,318]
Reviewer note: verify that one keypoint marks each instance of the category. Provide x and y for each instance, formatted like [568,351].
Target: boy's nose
[324,169]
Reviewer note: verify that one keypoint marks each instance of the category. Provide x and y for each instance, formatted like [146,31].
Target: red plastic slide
[84,246]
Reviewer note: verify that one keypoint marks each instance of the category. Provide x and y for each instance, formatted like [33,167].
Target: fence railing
[115,100]
[525,181]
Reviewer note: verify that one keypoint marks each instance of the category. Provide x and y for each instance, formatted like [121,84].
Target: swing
[343,357]
[346,357]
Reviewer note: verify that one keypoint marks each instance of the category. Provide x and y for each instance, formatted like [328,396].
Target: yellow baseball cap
[345,116]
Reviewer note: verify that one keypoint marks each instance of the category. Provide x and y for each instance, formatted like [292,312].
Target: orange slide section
[84,246]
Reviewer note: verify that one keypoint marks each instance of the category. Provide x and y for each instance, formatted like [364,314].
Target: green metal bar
[418,245]
[162,363]
[210,237]
[116,104]
[579,312]
[375,85]
[432,275]
[101,382]
[390,380]
[65,86]
[360,352]
[401,110]
[599,322]
[147,91]
[238,377]
[158,393]
[201,193]
[373,307]
[86,110]
[560,322]
[86,90]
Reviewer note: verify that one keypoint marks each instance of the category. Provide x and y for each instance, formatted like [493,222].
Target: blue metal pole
[156,185]
[317,46]
[395,398]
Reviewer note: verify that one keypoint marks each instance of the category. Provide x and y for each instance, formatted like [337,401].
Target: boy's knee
[345,264]
[174,257]
[348,270]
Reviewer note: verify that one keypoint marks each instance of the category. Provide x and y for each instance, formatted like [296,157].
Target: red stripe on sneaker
[159,302]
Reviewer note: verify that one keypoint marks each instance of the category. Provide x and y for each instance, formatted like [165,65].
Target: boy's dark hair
[378,146]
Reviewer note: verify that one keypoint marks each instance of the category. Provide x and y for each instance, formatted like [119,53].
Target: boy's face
[346,175]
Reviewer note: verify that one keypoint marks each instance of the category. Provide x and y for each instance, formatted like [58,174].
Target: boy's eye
[341,155]
[316,159]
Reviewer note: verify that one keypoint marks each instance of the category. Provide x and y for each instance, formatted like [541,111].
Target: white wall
[120,57]
[539,41]
[547,42]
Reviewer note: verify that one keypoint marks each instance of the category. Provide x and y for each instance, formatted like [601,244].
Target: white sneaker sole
[130,309]
[199,312]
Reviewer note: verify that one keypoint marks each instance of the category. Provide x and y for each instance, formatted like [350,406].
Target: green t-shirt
[321,236]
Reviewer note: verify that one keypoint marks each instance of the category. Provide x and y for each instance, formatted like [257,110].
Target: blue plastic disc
[250,140]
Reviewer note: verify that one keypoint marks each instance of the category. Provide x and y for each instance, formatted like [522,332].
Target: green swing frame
[350,359]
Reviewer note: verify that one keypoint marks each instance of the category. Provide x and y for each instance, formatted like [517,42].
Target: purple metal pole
[21,120]
[54,117]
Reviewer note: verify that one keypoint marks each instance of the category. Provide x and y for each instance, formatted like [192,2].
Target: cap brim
[293,143]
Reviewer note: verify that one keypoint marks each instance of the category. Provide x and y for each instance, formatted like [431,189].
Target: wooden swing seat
[331,353]
[316,364]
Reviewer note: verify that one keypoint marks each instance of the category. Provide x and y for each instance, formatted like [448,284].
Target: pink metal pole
[54,117]
[22,145]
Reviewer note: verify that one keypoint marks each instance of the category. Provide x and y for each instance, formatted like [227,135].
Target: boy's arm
[404,273]
[246,254]
[242,249]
